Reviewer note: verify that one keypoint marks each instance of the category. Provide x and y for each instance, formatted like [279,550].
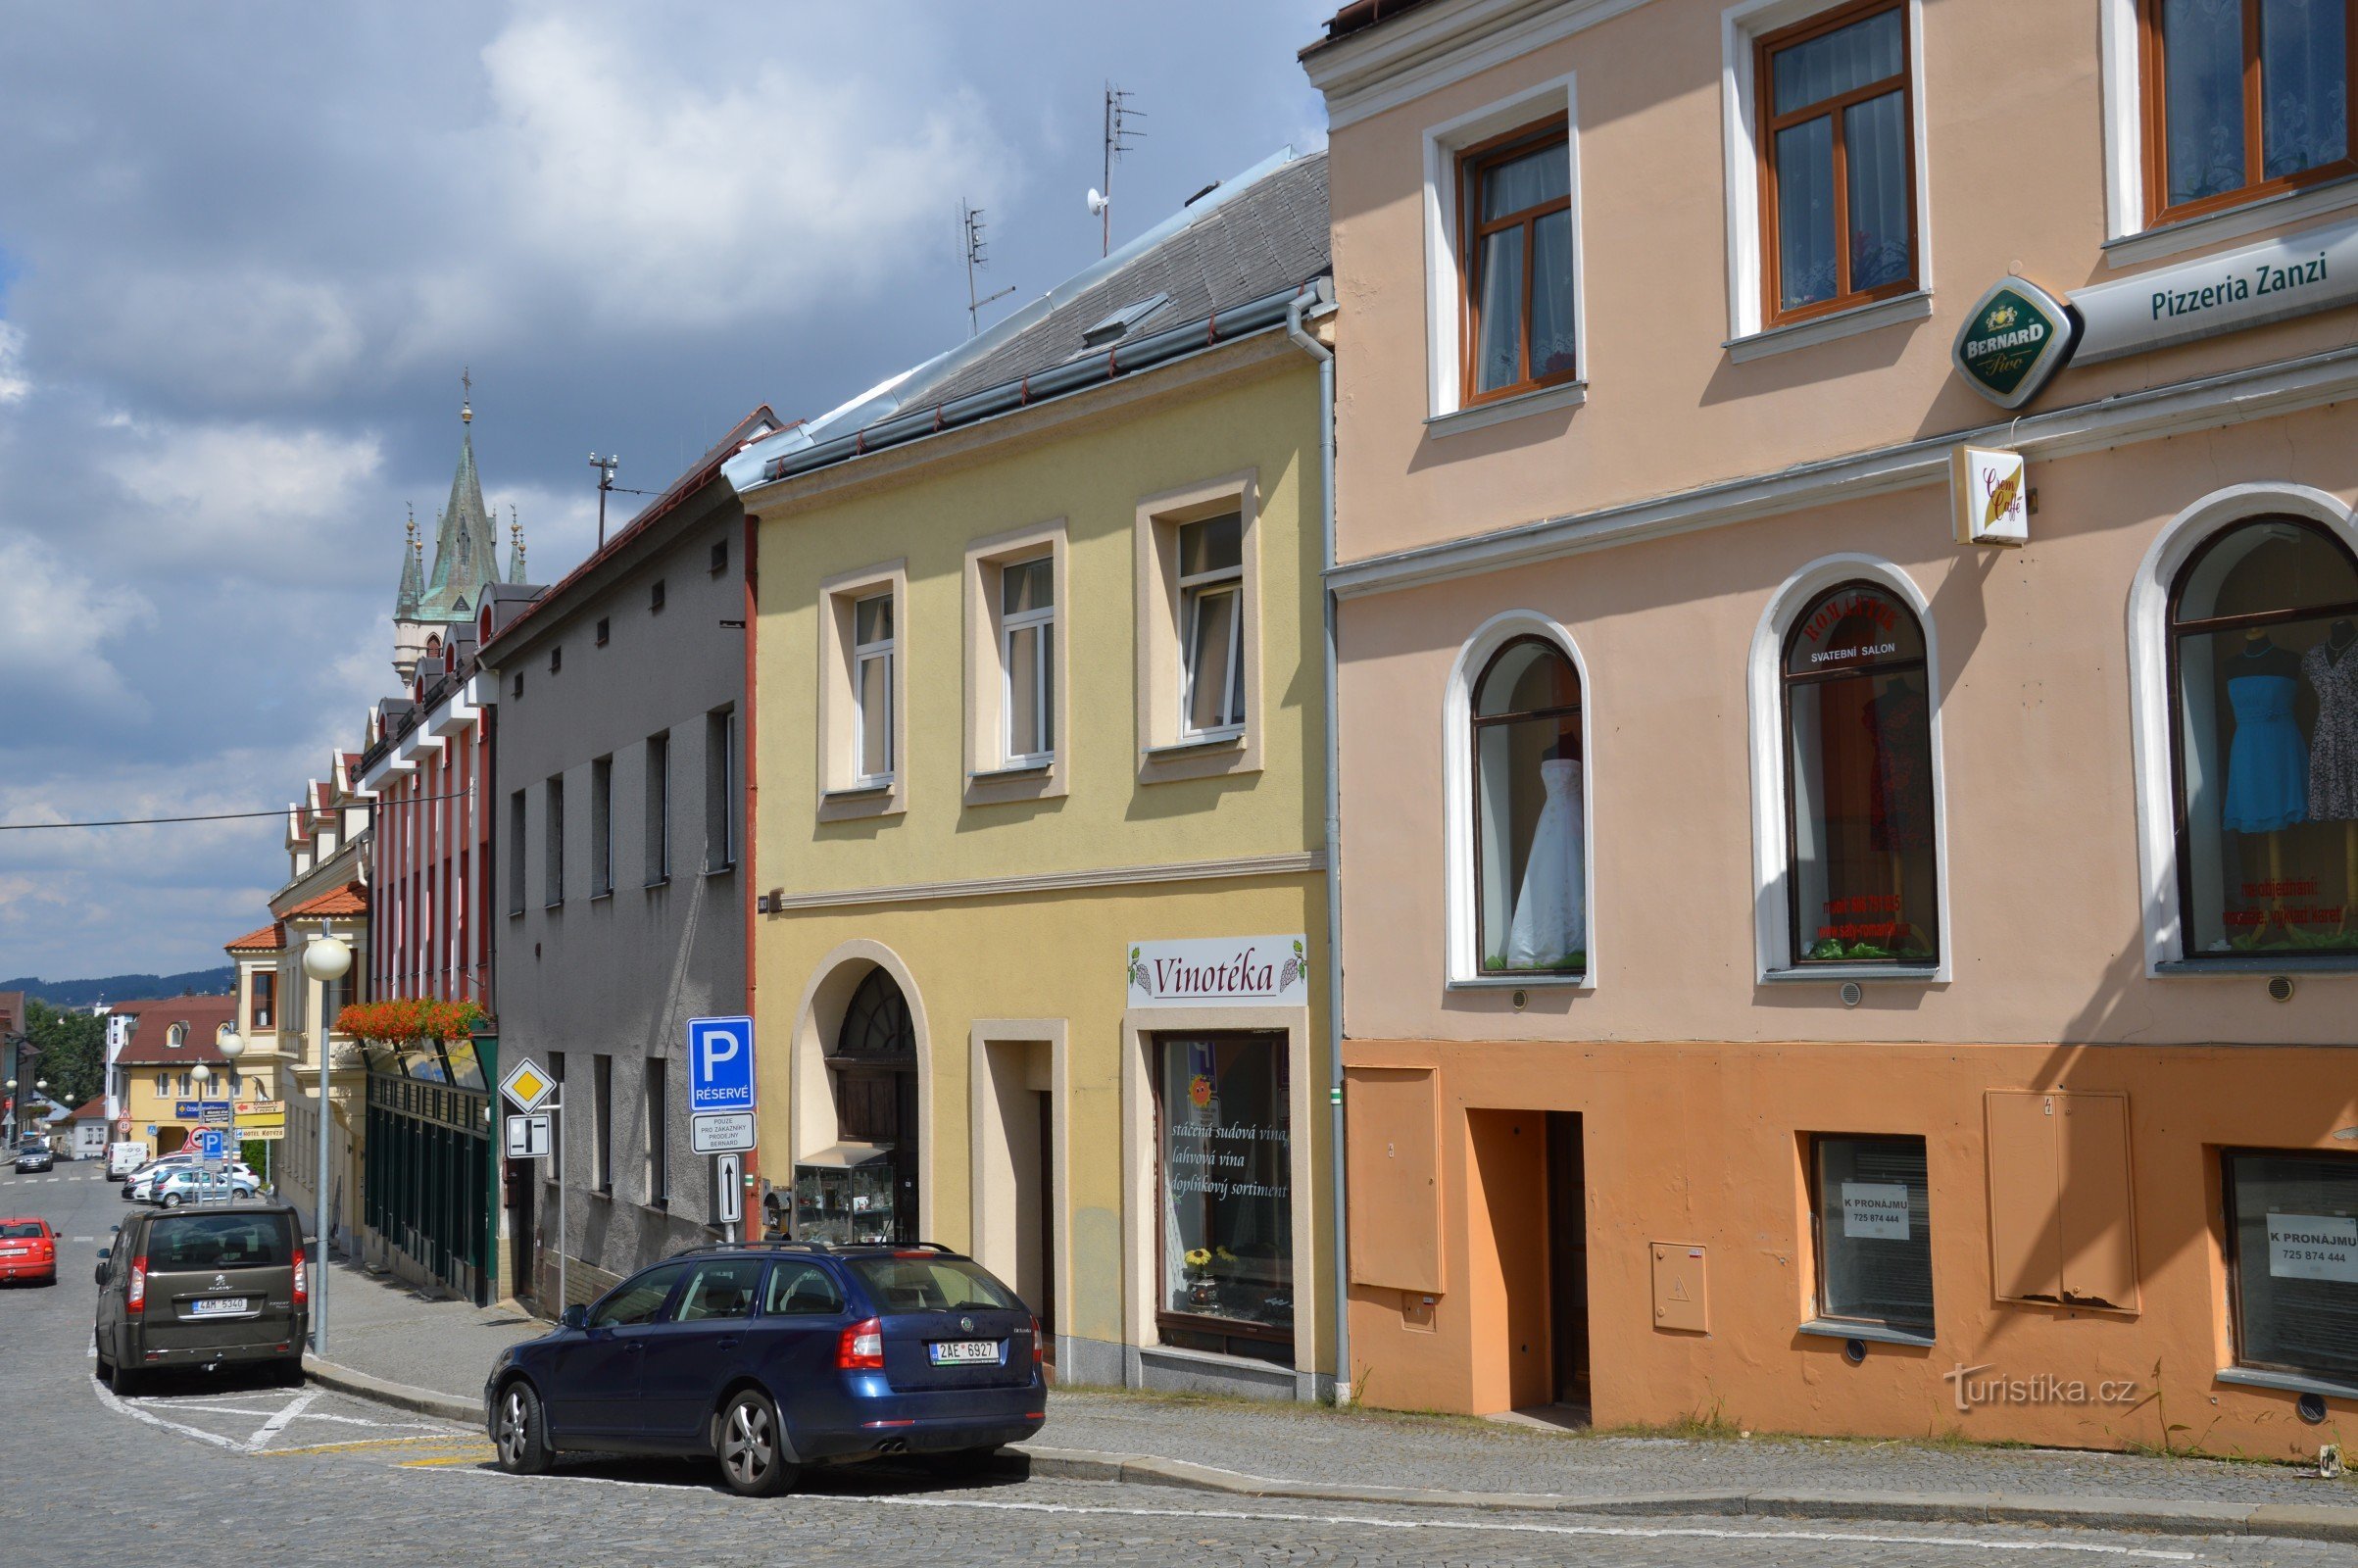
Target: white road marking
[108,1398]
[1486,1527]
[278,1423]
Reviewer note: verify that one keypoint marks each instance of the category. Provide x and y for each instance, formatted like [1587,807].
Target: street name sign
[720,1065]
[720,1132]
[529,1137]
[526,1087]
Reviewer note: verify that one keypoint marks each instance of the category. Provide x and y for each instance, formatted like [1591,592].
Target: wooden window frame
[1765,49]
[1556,130]
[2153,111]
[1477,722]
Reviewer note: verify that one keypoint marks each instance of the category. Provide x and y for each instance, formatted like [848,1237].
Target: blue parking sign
[212,1144]
[720,1065]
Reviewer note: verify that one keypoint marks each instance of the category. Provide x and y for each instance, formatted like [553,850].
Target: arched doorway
[864,1187]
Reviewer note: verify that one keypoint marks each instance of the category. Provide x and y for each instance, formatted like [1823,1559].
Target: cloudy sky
[246,249]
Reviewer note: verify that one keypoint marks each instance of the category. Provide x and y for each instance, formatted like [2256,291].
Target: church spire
[413,580]
[466,540]
[515,546]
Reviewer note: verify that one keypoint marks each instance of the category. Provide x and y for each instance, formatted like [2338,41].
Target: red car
[27,1251]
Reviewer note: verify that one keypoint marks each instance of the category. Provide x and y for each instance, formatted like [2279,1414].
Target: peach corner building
[1848,712]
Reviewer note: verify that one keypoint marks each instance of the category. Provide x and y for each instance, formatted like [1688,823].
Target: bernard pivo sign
[1221,972]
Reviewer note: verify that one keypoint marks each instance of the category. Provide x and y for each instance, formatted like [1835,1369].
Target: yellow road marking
[445,1461]
[439,1440]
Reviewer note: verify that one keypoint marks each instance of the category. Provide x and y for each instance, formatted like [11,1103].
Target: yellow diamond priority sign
[526,1087]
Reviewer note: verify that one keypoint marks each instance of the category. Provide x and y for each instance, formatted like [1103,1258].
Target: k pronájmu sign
[1221,972]
[2312,271]
[2014,340]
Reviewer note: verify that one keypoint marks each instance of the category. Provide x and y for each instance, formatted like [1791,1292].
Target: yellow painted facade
[1002,903]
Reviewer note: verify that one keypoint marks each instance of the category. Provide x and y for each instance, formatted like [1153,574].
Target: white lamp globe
[200,1072]
[230,1046]
[324,958]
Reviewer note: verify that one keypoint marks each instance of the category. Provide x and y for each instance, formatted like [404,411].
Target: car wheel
[172,1200]
[750,1447]
[519,1434]
[123,1381]
[961,1465]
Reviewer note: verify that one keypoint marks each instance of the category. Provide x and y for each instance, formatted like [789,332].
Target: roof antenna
[970,220]
[1118,140]
[605,468]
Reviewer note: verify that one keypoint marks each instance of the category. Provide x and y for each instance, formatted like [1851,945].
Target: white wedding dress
[1550,923]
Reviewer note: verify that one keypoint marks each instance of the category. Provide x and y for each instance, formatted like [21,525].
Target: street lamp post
[200,1075]
[11,1112]
[324,960]
[231,1048]
[40,1087]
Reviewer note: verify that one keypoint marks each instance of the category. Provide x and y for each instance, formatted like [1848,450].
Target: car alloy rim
[512,1428]
[745,1448]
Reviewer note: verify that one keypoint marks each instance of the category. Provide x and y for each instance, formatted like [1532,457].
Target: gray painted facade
[626,917]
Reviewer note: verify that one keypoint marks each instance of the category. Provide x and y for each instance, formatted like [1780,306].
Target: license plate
[217,1307]
[951,1352]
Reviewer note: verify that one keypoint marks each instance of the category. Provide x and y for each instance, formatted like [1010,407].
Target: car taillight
[1039,1351]
[302,1280]
[861,1347]
[138,1300]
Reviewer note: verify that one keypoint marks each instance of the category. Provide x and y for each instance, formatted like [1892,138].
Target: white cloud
[244,498]
[54,626]
[14,387]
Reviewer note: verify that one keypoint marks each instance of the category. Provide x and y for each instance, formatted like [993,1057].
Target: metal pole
[319,1281]
[557,1120]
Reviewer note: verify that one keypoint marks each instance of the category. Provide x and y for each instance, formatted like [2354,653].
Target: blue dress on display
[2268,764]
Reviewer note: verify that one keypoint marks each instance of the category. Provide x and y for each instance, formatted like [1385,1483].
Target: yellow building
[170,1078]
[1040,969]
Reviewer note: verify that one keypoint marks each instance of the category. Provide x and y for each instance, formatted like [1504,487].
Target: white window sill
[1012,771]
[1564,395]
[2234,222]
[723,869]
[1915,974]
[2291,1382]
[1873,1333]
[1210,740]
[1916,307]
[1532,980]
[864,791]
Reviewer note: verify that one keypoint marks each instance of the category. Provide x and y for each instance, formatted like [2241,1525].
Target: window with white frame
[872,653]
[1530,822]
[1211,585]
[1027,631]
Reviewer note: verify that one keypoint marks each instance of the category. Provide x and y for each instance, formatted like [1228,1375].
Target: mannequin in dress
[2266,761]
[2332,669]
[1550,920]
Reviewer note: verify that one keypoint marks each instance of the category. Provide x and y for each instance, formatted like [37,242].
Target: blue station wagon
[772,1355]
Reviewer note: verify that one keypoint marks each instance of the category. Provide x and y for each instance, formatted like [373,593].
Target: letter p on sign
[721,1051]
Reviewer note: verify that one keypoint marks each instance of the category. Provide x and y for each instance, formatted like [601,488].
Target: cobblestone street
[210,1471]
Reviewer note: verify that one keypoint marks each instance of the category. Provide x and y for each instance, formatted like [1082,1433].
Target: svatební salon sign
[1221,972]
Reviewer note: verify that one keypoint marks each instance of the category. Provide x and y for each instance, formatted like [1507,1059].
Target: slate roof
[1270,235]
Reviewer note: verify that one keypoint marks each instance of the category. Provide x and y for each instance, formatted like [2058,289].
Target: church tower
[433,602]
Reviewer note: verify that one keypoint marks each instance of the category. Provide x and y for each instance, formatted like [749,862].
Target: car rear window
[930,1284]
[218,1241]
[18,1230]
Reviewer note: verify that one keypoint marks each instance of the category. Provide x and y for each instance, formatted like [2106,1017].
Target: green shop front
[429,1191]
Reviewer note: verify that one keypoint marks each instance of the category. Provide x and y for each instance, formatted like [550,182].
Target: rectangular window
[1836,161]
[556,659]
[602,1149]
[720,557]
[654,597]
[1027,631]
[601,828]
[720,789]
[1870,1208]
[1226,1218]
[602,632]
[2292,1257]
[872,648]
[552,874]
[1515,204]
[1211,621]
[659,809]
[263,1008]
[2243,99]
[658,1134]
[515,853]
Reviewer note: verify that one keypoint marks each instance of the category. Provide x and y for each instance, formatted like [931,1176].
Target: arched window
[874,1071]
[1530,819]
[176,1036]
[1863,881]
[2264,678]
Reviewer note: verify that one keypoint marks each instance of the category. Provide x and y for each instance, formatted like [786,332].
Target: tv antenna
[969,219]
[1121,137]
[605,468]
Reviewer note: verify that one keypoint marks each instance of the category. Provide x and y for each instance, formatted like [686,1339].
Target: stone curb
[2144,1515]
[400,1395]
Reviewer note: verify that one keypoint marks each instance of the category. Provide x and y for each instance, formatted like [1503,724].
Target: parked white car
[191,1186]
[145,1186]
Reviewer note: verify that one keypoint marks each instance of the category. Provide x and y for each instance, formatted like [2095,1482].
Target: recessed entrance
[1528,1285]
[864,1188]
[1016,1170]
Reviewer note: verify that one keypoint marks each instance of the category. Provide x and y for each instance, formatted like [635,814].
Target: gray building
[617,761]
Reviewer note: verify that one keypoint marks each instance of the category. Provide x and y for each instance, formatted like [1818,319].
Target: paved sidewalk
[388,1342]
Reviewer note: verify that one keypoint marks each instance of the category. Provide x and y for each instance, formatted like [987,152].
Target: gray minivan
[205,1288]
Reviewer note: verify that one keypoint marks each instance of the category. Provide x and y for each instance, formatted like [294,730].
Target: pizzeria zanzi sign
[2251,286]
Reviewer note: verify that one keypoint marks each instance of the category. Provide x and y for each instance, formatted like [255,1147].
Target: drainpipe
[1320,297]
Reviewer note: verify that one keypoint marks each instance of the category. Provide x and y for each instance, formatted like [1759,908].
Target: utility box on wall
[1679,1287]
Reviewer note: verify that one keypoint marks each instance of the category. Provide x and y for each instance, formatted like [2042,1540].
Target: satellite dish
[1097,203]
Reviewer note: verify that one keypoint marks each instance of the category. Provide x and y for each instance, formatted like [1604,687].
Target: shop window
[2264,657]
[1027,633]
[1226,1222]
[1211,626]
[1871,1210]
[1836,161]
[2292,1250]
[1515,200]
[1862,882]
[1531,825]
[2243,99]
